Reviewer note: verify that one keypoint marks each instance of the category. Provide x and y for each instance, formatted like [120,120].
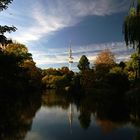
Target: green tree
[135,65]
[132,67]
[117,79]
[131,28]
[122,65]
[83,63]
[55,81]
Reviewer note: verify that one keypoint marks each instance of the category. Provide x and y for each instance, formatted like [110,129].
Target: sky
[49,27]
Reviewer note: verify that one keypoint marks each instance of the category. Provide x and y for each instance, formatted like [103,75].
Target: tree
[105,57]
[83,63]
[4,4]
[134,62]
[131,28]
[122,65]
[32,73]
[104,62]
[19,50]
[132,67]
[3,29]
[118,79]
[87,79]
[51,71]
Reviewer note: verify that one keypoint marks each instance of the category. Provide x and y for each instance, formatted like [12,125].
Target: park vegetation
[19,72]
[106,74]
[108,90]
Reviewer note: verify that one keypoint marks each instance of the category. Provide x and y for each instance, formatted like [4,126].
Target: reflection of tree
[86,108]
[137,136]
[109,108]
[16,116]
[104,105]
[52,98]
[133,101]
[84,119]
[106,125]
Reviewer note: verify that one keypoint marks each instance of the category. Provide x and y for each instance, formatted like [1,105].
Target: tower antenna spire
[70,58]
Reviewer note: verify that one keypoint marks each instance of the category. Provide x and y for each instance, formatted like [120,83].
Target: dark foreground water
[59,117]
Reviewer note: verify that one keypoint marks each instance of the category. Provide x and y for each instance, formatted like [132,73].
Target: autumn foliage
[105,57]
[104,62]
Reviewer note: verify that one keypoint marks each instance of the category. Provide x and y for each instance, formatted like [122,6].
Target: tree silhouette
[4,4]
[5,28]
[83,63]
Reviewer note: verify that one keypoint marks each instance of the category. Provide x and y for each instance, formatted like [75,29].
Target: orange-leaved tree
[104,62]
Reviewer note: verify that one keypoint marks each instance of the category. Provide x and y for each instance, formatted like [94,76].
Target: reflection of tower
[70,116]
[70,58]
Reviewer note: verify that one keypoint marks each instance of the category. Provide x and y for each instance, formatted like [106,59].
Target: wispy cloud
[46,17]
[98,7]
[91,51]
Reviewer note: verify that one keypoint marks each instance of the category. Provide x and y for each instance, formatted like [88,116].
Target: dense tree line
[105,74]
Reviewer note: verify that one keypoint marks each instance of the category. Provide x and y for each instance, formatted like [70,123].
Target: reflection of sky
[47,27]
[52,124]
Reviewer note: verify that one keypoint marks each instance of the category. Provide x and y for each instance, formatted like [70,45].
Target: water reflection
[16,115]
[57,115]
[107,114]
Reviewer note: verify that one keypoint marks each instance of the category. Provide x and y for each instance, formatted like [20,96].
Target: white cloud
[48,16]
[45,17]
[91,51]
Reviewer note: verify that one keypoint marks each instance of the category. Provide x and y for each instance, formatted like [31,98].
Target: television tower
[70,58]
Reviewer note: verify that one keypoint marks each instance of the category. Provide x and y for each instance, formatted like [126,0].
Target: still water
[57,117]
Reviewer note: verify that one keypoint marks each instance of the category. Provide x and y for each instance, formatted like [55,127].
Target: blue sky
[47,26]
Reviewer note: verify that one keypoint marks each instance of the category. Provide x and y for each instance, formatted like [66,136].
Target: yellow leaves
[103,63]
[16,48]
[53,81]
[32,70]
[132,11]
[105,57]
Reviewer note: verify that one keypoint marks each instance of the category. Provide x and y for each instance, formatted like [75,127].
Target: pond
[55,117]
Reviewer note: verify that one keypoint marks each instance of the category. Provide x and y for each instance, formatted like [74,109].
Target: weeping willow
[131,28]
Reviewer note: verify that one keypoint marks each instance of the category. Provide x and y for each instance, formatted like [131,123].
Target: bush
[118,80]
[53,81]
